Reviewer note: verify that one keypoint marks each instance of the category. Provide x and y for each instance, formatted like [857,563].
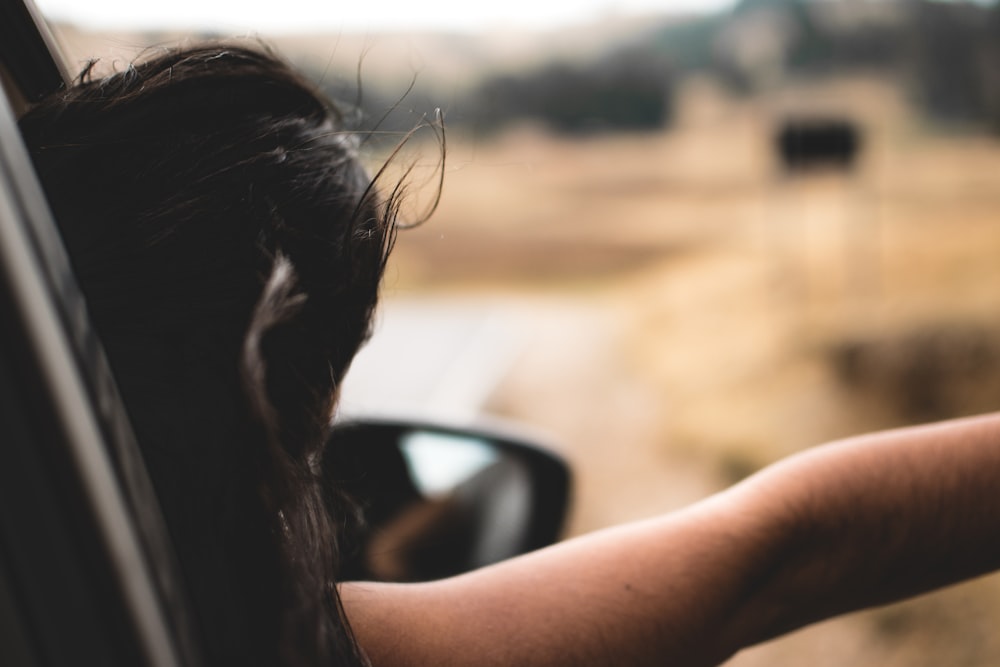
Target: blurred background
[684,239]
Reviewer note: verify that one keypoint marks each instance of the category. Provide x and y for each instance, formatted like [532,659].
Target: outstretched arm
[837,528]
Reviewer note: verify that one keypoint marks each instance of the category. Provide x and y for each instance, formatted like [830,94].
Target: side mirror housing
[436,500]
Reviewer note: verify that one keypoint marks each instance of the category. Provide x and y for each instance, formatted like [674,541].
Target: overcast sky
[353,15]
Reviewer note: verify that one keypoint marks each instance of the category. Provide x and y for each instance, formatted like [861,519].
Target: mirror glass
[437,502]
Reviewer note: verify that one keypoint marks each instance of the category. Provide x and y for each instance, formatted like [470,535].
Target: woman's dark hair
[230,246]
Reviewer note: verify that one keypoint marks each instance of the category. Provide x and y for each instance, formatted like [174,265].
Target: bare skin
[838,528]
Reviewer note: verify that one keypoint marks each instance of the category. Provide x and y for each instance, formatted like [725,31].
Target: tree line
[948,55]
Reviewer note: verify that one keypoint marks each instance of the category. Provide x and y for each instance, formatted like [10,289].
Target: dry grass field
[692,313]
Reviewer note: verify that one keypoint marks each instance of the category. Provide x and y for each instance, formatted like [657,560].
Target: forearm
[878,518]
[837,528]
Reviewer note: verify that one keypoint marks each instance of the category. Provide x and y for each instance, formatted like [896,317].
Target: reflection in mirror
[439,462]
[438,501]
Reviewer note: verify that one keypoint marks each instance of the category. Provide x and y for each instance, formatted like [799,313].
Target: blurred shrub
[956,60]
[925,374]
[629,90]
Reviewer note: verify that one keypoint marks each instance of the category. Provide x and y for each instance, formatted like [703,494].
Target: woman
[230,247]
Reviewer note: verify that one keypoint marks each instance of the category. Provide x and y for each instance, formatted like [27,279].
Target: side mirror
[437,500]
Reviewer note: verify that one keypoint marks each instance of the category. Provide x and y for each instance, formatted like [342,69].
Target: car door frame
[87,571]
